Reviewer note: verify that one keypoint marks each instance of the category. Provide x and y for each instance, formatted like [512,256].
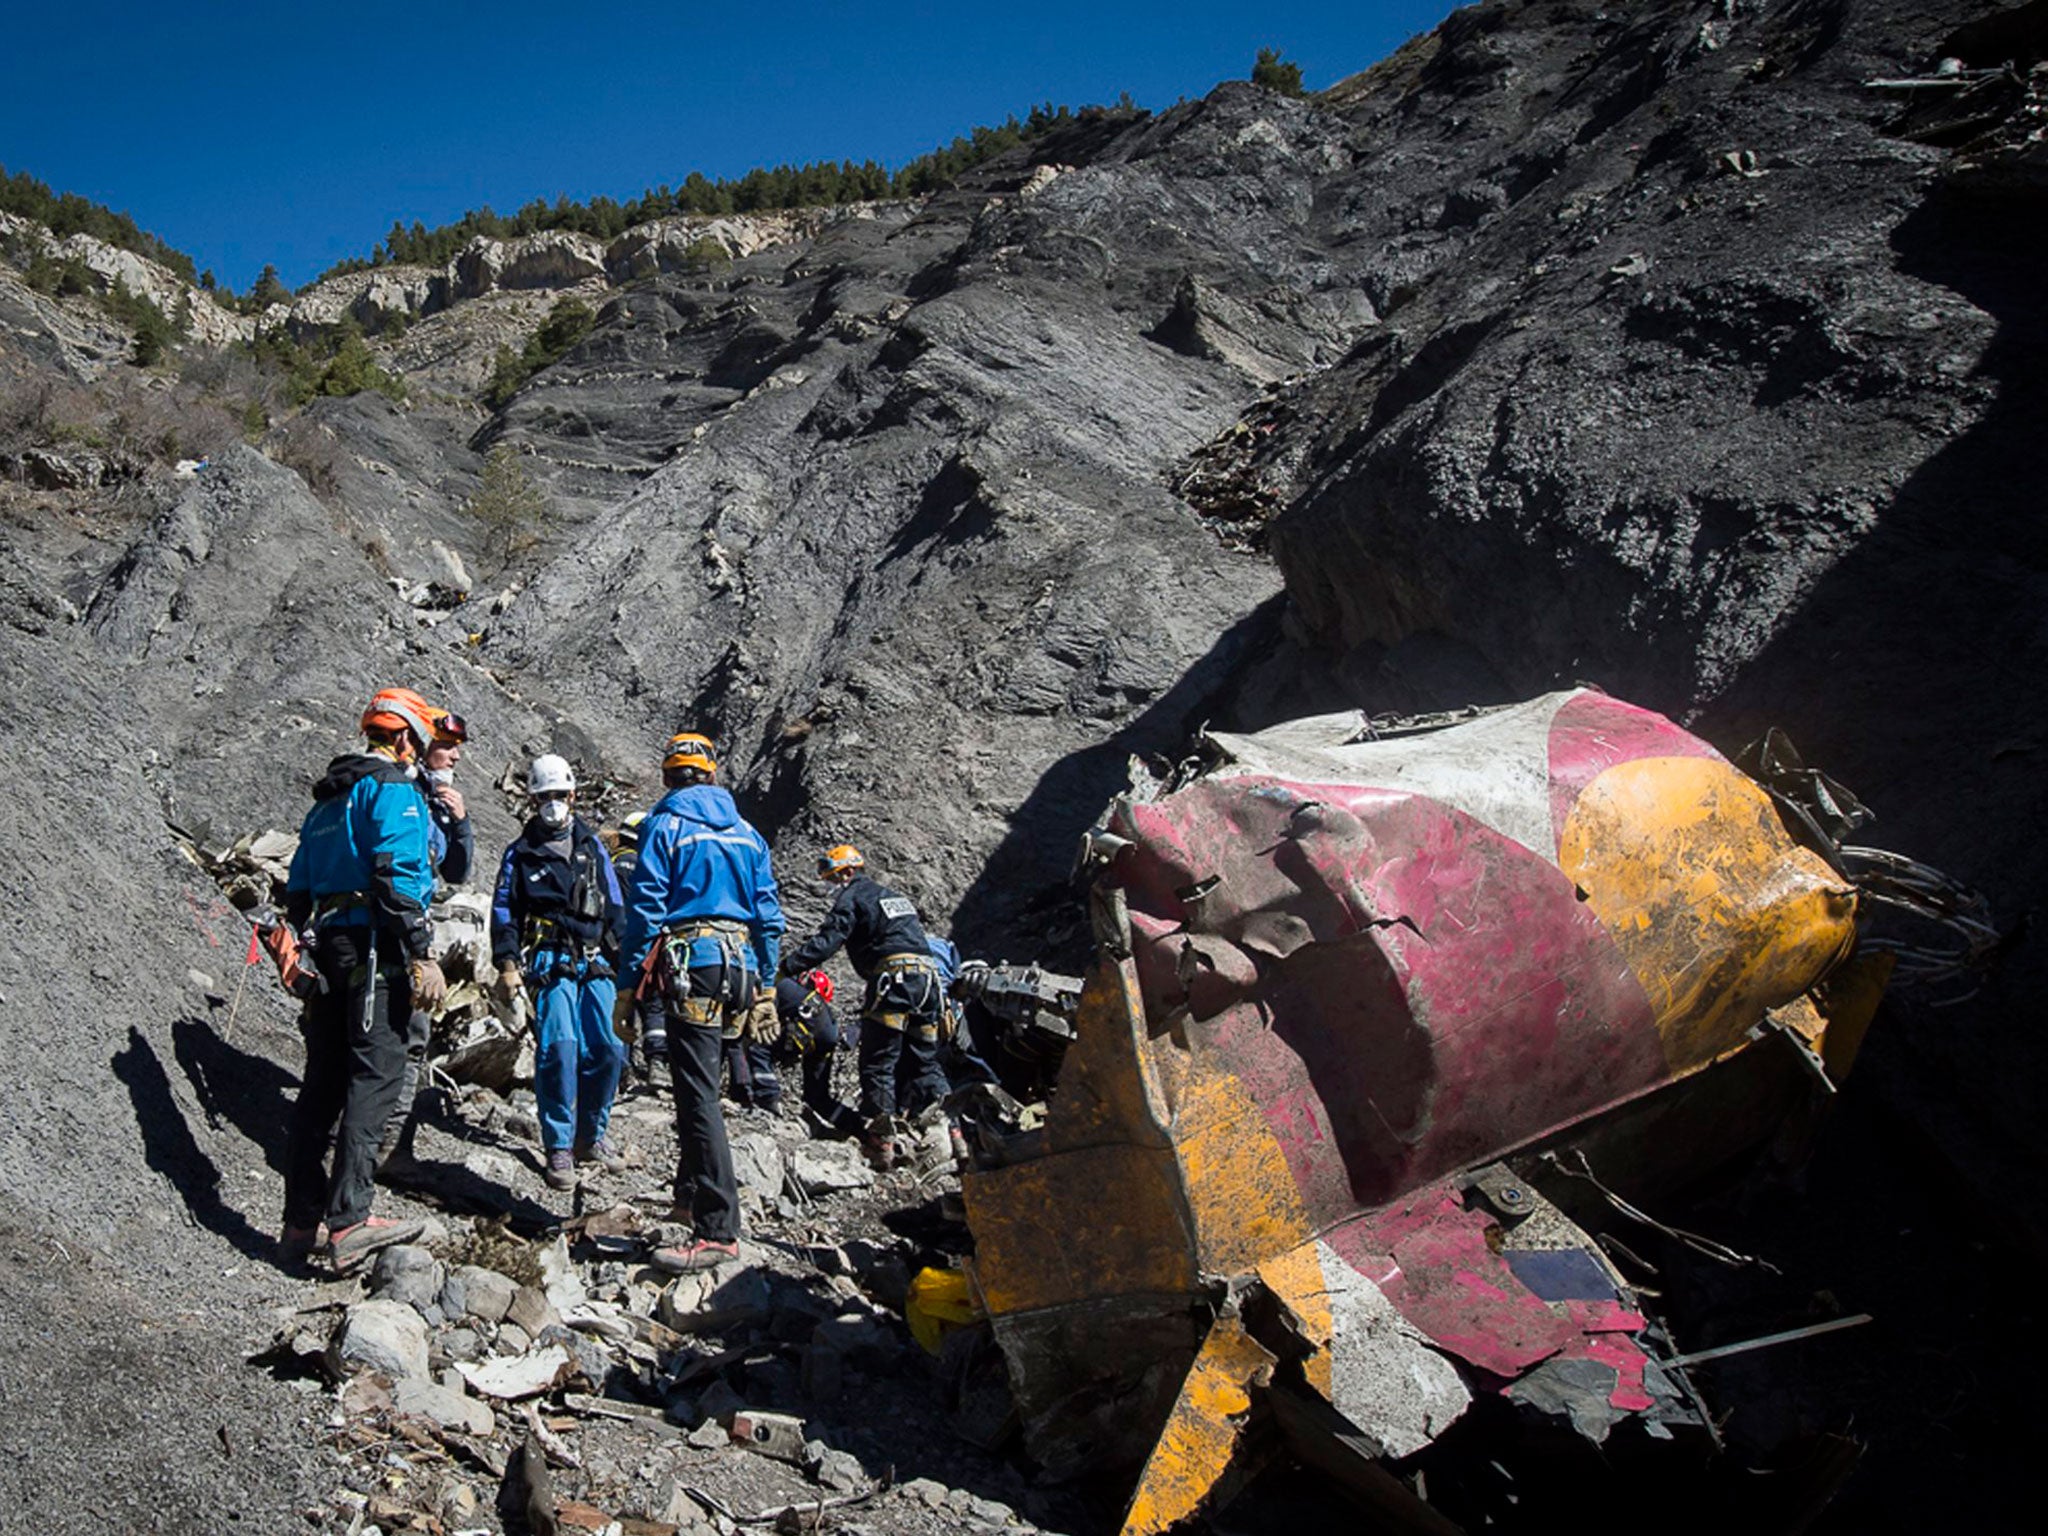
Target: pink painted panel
[1592,733]
[1441,1275]
[1457,998]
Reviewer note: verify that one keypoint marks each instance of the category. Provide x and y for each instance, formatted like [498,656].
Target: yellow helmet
[844,856]
[686,749]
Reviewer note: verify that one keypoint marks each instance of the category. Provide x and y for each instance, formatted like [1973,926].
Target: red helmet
[821,984]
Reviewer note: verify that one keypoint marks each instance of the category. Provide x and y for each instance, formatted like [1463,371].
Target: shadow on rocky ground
[174,1153]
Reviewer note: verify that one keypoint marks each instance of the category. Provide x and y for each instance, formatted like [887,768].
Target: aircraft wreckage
[1354,998]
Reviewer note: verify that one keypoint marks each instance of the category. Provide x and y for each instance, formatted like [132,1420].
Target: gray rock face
[757,1162]
[819,1168]
[480,1293]
[450,1410]
[411,1276]
[388,1337]
[715,1298]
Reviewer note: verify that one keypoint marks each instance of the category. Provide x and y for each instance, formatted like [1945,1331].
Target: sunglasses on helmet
[451,727]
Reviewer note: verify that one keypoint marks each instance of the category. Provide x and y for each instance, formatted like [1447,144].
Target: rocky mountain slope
[1643,345]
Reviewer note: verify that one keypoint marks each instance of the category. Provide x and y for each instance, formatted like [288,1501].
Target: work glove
[429,986]
[762,1022]
[622,1017]
[508,985]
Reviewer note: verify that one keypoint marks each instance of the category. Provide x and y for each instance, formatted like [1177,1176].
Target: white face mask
[439,775]
[554,814]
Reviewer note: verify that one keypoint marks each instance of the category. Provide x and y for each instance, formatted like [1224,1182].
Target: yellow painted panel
[1079,1226]
[1240,1191]
[1296,1280]
[1718,912]
[1202,1432]
[1107,1090]
[1848,1000]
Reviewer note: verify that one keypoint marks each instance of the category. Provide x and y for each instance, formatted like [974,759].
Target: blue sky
[246,134]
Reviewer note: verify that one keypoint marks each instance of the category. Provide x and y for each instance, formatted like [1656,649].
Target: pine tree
[1275,74]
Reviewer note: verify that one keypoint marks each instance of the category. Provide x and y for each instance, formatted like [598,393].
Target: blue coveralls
[557,902]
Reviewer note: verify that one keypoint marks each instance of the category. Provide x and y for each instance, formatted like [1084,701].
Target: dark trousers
[899,1043]
[814,1069]
[705,1185]
[355,1035]
[653,1015]
[751,1067]
[899,1069]
[419,1034]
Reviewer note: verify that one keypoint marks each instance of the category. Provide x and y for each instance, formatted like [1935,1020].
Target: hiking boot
[698,1254]
[295,1245]
[347,1248]
[561,1172]
[604,1154]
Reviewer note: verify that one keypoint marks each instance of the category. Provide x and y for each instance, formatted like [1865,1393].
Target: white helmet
[549,773]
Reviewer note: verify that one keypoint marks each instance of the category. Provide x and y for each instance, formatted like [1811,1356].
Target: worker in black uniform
[905,995]
[810,1038]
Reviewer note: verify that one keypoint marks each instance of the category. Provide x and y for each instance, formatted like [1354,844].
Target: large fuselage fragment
[1338,973]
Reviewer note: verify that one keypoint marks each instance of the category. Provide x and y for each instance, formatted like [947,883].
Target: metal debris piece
[1833,1325]
[779,1435]
[514,1377]
[1412,953]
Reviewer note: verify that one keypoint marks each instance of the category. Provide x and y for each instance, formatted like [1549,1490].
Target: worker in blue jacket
[451,849]
[555,913]
[360,881]
[703,927]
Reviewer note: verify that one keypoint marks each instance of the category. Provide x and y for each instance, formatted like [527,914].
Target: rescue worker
[452,850]
[642,1014]
[703,926]
[362,878]
[900,1015]
[452,841]
[810,1037]
[557,905]
[959,1056]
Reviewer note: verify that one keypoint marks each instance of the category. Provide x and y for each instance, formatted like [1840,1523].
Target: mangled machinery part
[1938,931]
[1343,974]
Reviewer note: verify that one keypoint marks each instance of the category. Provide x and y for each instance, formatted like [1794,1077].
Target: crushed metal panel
[1200,1438]
[1433,1261]
[1720,914]
[1094,1381]
[1371,1364]
[1139,1236]
[1494,768]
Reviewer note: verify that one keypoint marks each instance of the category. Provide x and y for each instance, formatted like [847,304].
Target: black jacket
[872,921]
[579,894]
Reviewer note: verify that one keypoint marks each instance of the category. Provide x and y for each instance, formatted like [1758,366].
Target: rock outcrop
[206,321]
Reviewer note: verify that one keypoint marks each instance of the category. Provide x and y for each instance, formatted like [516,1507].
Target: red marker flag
[255,945]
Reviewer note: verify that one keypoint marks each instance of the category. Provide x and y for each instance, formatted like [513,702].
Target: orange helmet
[686,749]
[400,709]
[843,857]
[450,729]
